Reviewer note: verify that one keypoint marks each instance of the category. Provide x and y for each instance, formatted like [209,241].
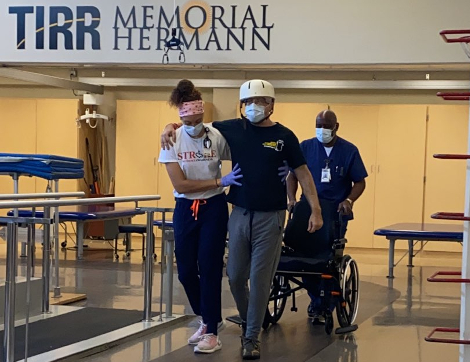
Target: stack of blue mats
[49,167]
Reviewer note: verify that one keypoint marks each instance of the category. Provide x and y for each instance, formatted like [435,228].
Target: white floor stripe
[101,340]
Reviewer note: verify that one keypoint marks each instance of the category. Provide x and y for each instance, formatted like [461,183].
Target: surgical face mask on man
[325,135]
[255,113]
[193,131]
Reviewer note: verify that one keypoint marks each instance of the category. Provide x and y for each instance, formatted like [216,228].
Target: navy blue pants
[199,250]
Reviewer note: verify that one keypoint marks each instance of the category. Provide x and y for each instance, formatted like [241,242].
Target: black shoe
[250,349]
[311,310]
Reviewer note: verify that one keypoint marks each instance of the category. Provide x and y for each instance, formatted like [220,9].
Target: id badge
[325,175]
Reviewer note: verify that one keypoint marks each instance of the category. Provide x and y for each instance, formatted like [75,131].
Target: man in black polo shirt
[260,146]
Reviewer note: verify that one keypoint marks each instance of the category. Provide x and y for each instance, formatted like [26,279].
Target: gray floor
[397,320]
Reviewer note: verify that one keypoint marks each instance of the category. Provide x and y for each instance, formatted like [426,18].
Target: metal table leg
[169,251]
[32,252]
[80,236]
[10,293]
[410,253]
[16,182]
[162,270]
[148,281]
[391,257]
[30,241]
[56,247]
[129,244]
[46,262]
[409,292]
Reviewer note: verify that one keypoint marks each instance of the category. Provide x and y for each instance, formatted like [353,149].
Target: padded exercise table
[417,232]
[81,214]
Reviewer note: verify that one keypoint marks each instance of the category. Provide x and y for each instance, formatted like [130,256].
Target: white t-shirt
[328,150]
[189,153]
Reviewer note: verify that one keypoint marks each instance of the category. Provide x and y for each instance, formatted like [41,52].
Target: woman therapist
[201,211]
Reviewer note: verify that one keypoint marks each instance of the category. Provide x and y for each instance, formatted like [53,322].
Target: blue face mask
[324,135]
[194,131]
[255,113]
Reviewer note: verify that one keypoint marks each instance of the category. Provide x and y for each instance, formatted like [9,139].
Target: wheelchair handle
[340,214]
[340,219]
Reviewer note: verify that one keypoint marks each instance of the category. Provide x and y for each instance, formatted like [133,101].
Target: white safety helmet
[256,88]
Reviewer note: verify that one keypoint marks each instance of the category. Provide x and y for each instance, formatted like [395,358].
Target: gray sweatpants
[254,250]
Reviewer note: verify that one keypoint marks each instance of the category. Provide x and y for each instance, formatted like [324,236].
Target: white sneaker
[209,343]
[196,337]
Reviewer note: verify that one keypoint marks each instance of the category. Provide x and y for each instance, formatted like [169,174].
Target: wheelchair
[319,257]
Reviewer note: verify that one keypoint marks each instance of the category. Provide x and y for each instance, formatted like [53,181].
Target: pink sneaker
[209,343]
[196,337]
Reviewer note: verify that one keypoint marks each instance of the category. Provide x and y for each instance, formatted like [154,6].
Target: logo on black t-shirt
[275,145]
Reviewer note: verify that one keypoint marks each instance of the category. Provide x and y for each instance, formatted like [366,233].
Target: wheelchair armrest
[339,246]
[339,243]
[286,250]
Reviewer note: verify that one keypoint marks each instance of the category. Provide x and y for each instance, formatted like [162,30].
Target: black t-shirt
[260,151]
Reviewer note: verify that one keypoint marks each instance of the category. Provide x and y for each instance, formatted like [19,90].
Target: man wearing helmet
[260,147]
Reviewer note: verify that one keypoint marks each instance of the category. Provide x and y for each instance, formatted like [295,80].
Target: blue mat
[49,167]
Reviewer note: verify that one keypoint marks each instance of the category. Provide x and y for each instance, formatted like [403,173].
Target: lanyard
[207,141]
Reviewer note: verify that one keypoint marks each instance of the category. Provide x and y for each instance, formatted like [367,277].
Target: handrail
[10,287]
[44,195]
[77,202]
[449,156]
[454,96]
[430,337]
[465,38]
[24,220]
[449,216]
[433,278]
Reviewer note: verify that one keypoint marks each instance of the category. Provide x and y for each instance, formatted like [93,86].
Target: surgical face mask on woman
[255,113]
[325,135]
[194,131]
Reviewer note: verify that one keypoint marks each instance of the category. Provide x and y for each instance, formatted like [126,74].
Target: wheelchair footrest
[347,329]
[234,319]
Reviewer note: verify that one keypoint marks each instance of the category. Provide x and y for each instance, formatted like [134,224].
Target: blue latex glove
[232,177]
[283,172]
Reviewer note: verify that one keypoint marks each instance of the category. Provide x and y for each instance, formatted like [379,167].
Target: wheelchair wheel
[347,308]
[276,306]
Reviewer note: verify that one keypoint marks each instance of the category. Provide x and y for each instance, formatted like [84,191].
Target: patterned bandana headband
[191,108]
